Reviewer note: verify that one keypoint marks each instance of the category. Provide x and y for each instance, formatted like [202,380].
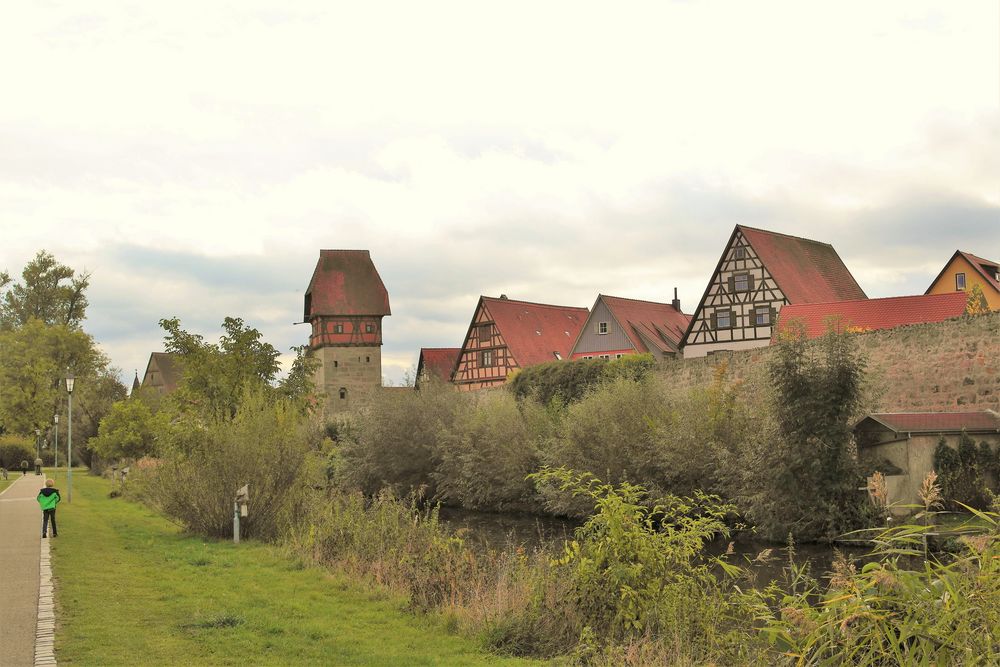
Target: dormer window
[959,281]
[602,327]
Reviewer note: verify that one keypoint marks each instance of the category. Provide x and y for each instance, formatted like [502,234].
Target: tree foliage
[569,381]
[129,431]
[808,478]
[49,292]
[976,303]
[216,375]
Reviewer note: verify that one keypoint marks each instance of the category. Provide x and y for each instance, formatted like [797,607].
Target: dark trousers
[46,516]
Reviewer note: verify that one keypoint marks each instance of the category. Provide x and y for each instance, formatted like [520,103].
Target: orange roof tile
[871,314]
[438,362]
[806,271]
[535,332]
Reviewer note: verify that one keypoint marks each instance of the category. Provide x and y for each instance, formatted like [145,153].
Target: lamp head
[70,380]
[55,418]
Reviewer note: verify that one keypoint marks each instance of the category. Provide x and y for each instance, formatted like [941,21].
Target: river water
[484,530]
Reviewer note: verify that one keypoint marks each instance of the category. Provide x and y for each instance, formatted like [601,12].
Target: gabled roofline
[468,332]
[971,259]
[701,303]
[583,329]
[875,418]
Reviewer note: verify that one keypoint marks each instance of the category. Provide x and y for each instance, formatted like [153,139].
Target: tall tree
[49,291]
[217,375]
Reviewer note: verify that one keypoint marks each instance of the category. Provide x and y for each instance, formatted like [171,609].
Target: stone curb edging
[45,627]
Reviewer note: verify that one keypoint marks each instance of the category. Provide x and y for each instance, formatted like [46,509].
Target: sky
[196,156]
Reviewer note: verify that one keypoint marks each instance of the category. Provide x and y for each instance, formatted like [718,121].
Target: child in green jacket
[48,498]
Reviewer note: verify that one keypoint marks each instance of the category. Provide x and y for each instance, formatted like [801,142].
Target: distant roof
[871,314]
[535,332]
[979,264]
[345,282]
[936,422]
[658,324]
[438,362]
[806,271]
[169,366]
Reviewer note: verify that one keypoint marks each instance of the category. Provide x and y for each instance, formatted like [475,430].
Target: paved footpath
[20,554]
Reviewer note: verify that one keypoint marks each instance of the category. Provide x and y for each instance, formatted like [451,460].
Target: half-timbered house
[506,334]
[759,272]
[619,326]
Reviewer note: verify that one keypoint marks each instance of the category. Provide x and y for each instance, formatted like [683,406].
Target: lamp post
[38,443]
[69,439]
[55,420]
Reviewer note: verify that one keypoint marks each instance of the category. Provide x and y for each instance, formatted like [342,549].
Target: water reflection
[488,530]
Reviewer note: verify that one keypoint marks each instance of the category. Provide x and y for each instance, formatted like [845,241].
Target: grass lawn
[11,478]
[132,589]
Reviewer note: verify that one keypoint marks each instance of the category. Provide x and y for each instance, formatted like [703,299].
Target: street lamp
[38,443]
[70,379]
[55,420]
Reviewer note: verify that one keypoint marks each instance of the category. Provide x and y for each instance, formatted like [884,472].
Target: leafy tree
[807,481]
[217,375]
[50,292]
[976,304]
[128,431]
[33,360]
[963,472]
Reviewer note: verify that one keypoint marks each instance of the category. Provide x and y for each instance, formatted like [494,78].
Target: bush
[265,444]
[569,381]
[487,451]
[14,449]
[394,442]
[965,472]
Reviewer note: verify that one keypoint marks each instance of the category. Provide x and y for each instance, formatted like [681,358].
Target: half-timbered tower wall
[486,359]
[602,336]
[740,306]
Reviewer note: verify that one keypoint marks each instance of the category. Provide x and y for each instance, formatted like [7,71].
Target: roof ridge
[440,348]
[532,303]
[625,298]
[789,236]
[978,258]
[943,295]
[947,412]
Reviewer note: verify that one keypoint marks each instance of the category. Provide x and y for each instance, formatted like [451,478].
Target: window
[762,316]
[486,358]
[619,356]
[723,319]
[343,394]
[369,328]
[740,253]
[959,281]
[588,356]
[368,360]
[557,356]
[604,356]
[741,282]
[338,328]
[602,327]
[335,363]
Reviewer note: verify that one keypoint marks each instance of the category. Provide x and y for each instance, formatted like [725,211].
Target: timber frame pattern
[740,305]
[485,360]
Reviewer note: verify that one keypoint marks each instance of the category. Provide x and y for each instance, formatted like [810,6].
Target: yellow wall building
[963,271]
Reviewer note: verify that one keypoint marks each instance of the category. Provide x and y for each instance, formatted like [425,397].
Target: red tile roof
[534,332]
[870,314]
[438,362]
[659,324]
[806,271]
[936,422]
[345,282]
[979,264]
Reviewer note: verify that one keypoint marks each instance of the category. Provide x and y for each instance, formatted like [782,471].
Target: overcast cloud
[196,156]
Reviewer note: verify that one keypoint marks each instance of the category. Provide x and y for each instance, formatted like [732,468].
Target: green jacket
[48,498]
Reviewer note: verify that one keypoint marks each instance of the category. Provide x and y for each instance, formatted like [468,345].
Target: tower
[344,304]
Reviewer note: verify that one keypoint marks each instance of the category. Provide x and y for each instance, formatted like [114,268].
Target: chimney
[676,303]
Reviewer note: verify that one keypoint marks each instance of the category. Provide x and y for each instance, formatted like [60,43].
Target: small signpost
[240,510]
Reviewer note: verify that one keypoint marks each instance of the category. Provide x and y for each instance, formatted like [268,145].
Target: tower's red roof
[806,271]
[870,314]
[536,332]
[345,282]
[659,324]
[438,362]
